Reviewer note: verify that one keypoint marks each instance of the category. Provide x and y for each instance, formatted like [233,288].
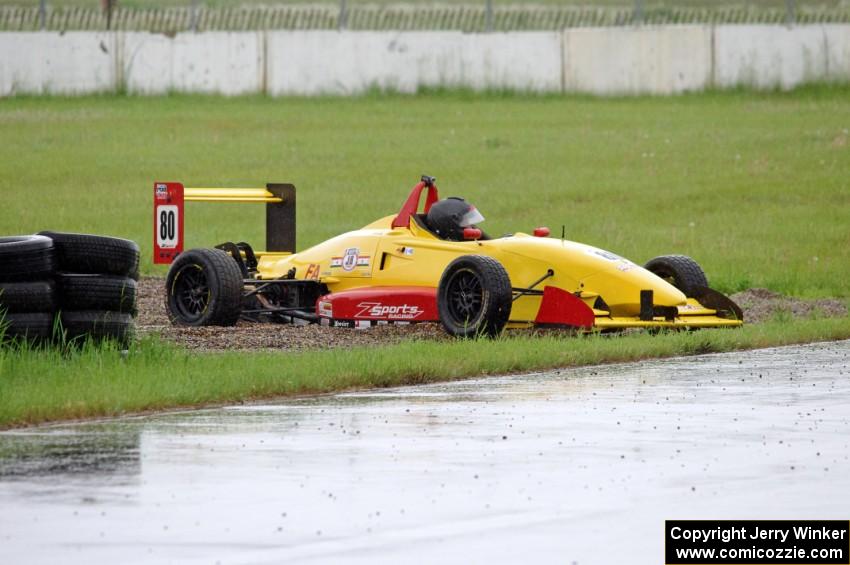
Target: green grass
[46,385]
[754,186]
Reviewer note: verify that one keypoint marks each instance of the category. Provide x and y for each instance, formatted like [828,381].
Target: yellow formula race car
[428,266]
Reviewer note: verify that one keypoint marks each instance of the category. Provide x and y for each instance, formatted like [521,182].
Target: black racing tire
[26,257]
[97,325]
[97,292]
[474,297]
[36,296]
[95,254]
[679,270]
[204,288]
[27,325]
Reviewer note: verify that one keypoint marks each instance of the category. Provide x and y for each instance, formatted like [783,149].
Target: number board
[167,221]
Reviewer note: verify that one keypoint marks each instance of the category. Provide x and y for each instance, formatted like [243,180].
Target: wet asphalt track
[577,466]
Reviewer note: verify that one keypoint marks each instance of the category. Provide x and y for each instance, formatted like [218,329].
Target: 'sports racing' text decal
[376,310]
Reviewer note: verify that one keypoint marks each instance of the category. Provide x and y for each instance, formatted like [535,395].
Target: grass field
[754,186]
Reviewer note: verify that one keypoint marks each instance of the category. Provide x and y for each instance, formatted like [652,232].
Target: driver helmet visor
[473,216]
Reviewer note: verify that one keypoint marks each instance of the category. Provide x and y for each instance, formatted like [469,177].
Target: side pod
[365,307]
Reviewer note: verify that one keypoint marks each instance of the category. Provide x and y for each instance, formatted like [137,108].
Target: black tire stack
[83,284]
[27,289]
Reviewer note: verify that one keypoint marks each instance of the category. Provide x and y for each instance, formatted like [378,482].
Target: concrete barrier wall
[837,52]
[221,62]
[769,56]
[621,60]
[661,60]
[69,63]
[327,62]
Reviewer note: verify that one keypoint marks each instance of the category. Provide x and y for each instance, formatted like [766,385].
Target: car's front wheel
[204,288]
[474,297]
[679,270]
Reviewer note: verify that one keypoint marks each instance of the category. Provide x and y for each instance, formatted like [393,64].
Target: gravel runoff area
[250,335]
[758,304]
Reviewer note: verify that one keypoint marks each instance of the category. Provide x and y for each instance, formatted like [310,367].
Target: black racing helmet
[448,217]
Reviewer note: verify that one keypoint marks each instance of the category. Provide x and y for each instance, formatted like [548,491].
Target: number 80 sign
[168,221]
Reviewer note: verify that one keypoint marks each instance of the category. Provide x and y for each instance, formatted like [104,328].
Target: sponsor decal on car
[312,272]
[326,309]
[396,312]
[623,264]
[350,259]
[602,253]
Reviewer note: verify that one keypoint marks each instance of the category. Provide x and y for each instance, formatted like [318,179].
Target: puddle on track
[573,466]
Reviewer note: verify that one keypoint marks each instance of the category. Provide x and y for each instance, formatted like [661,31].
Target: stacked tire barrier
[67,287]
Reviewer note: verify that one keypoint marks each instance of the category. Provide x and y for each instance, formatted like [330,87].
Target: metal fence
[170,16]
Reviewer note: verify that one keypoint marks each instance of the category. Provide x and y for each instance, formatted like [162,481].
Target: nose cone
[620,288]
[618,281]
[567,257]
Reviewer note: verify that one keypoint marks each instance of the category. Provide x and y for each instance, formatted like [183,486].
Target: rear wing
[168,225]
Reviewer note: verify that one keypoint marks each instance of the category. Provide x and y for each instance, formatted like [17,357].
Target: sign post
[169,227]
[168,221]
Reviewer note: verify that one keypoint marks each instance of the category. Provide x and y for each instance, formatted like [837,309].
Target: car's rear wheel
[679,270]
[204,288]
[474,297]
